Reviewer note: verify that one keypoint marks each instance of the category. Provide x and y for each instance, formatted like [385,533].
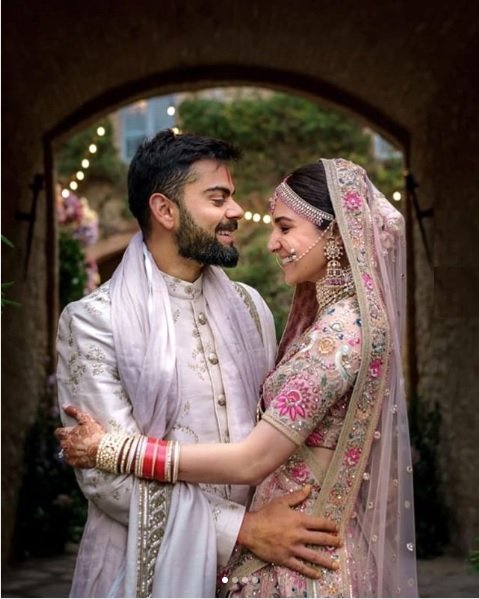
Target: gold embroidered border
[336,474]
[153,508]
[249,303]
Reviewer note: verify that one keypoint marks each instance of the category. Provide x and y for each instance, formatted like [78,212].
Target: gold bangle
[125,453]
[176,462]
[129,465]
[168,461]
[109,451]
[140,454]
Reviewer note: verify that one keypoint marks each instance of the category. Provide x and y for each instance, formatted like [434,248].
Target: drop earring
[333,250]
[338,281]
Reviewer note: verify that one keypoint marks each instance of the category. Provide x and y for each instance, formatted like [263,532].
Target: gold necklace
[328,294]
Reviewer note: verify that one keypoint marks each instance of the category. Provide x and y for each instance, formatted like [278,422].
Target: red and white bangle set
[142,456]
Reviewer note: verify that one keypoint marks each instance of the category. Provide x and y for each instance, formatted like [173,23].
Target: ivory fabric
[204,406]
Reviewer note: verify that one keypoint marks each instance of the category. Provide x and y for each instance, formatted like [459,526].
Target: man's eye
[218,201]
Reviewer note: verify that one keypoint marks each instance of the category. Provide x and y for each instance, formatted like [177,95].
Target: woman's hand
[80,442]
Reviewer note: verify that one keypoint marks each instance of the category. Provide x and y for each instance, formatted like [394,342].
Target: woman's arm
[313,380]
[247,462]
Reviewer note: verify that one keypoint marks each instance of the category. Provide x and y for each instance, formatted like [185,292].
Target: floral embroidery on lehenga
[305,395]
[306,398]
[326,356]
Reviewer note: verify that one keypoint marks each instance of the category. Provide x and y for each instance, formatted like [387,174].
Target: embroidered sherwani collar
[183,289]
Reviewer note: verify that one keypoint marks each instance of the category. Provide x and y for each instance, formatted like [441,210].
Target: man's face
[209,216]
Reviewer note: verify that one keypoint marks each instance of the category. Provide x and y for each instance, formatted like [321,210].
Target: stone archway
[406,67]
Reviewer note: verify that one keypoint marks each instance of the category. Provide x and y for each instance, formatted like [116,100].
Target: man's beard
[197,244]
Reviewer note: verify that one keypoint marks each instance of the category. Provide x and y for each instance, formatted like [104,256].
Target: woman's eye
[284,230]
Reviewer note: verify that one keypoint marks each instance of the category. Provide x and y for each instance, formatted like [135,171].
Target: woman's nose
[273,243]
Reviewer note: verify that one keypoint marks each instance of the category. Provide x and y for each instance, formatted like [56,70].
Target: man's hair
[163,165]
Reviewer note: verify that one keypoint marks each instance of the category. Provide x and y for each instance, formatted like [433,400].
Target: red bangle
[147,465]
[159,463]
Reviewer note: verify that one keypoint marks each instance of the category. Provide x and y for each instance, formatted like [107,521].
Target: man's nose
[234,210]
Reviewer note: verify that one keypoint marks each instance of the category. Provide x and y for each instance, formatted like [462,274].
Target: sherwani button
[213,358]
[201,318]
[221,399]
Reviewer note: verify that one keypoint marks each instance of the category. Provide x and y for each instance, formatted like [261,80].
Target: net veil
[371,500]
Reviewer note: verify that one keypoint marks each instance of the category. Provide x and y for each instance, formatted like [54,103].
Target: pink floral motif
[290,404]
[352,201]
[315,439]
[352,456]
[300,473]
[375,368]
[354,341]
[368,282]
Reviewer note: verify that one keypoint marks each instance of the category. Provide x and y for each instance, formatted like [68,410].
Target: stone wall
[406,70]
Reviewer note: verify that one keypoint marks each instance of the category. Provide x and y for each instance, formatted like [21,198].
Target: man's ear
[163,210]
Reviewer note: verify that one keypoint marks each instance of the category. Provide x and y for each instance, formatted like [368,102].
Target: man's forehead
[213,173]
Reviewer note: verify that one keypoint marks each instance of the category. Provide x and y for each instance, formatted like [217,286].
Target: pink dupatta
[371,497]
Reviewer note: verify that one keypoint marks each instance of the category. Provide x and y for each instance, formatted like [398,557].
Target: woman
[334,408]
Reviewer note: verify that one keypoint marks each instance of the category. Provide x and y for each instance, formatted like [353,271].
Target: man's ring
[61,454]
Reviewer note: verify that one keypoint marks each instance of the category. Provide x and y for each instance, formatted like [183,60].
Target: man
[171,348]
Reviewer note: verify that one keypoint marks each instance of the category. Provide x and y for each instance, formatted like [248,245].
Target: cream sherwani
[88,378]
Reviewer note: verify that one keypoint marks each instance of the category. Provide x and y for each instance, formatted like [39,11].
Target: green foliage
[51,509]
[260,270]
[280,132]
[73,274]
[7,242]
[105,164]
[4,301]
[474,557]
[431,514]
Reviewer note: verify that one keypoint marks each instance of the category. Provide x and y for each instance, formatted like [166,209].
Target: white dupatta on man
[168,548]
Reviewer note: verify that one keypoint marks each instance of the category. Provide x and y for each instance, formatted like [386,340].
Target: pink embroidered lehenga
[338,385]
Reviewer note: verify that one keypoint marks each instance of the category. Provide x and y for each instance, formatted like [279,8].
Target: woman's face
[291,231]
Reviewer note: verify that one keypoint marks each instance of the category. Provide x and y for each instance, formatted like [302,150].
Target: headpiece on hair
[284,193]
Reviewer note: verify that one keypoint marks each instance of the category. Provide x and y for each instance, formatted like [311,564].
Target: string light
[171,110]
[85,163]
[257,218]
[397,196]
